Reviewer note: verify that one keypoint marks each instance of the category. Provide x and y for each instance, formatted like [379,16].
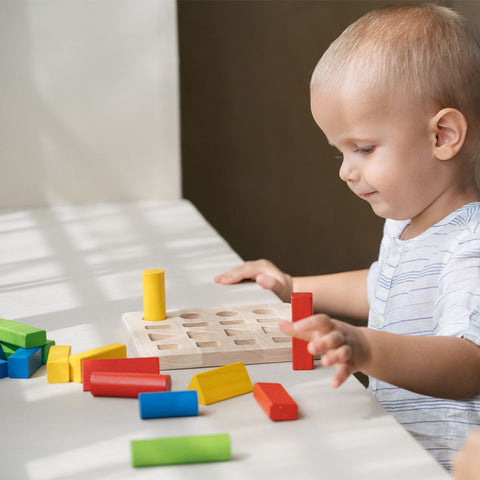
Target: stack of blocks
[23,349]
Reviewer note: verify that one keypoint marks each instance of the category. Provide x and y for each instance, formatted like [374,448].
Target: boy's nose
[349,172]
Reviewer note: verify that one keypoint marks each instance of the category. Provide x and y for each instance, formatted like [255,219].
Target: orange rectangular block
[120,365]
[275,401]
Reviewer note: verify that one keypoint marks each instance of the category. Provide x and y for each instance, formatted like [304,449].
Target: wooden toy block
[119,384]
[168,404]
[21,335]
[212,337]
[58,367]
[46,349]
[221,383]
[3,368]
[8,349]
[114,350]
[154,307]
[301,308]
[24,362]
[177,450]
[124,365]
[275,401]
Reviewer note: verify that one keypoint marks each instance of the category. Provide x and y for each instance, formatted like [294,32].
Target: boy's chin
[384,212]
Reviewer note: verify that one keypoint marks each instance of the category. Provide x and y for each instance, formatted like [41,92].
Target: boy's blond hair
[424,50]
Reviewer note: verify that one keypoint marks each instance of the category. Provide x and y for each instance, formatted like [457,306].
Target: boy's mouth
[366,194]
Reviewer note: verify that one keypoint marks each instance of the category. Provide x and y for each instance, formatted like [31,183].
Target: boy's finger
[319,323]
[343,372]
[337,356]
[288,329]
[266,281]
[322,343]
[248,270]
[305,328]
[236,275]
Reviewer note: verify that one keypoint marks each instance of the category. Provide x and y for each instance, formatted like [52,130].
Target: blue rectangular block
[3,368]
[24,362]
[168,404]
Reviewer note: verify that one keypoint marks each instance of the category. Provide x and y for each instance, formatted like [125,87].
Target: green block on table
[22,335]
[175,450]
[46,349]
[8,349]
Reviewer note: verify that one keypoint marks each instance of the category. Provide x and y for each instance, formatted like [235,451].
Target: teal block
[3,368]
[22,335]
[24,362]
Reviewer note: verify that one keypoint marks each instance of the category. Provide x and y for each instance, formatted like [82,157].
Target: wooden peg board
[212,337]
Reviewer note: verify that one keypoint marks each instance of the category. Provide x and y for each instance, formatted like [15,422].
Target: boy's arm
[437,366]
[338,294]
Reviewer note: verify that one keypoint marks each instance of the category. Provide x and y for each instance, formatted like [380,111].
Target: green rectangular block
[8,349]
[176,450]
[46,349]
[21,335]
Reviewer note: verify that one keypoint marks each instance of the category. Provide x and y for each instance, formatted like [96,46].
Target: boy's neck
[439,211]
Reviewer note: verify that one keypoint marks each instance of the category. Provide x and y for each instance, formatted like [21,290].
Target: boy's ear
[449,126]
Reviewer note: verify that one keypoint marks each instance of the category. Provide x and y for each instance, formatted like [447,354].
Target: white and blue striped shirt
[429,285]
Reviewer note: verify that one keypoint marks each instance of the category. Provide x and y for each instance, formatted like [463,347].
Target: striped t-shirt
[429,285]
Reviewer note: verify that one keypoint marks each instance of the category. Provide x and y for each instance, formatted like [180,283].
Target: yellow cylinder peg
[154,308]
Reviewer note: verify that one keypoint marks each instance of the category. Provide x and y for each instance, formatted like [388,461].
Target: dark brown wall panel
[254,162]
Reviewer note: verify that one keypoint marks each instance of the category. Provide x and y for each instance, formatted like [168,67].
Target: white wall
[89,102]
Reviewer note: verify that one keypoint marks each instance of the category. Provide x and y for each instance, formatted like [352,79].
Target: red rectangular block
[120,384]
[275,401]
[302,307]
[123,365]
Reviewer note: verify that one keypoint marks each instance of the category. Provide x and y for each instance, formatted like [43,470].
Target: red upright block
[125,365]
[275,401]
[119,384]
[301,308]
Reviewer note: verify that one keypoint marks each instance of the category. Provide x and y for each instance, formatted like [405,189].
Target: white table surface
[75,270]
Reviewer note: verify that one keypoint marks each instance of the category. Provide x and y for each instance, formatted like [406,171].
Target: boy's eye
[364,150]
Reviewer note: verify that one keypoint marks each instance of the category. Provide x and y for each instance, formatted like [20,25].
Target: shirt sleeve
[457,309]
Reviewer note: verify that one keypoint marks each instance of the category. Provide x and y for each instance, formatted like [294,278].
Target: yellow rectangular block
[221,383]
[114,350]
[58,367]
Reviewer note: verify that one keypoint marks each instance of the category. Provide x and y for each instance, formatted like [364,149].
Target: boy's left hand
[342,345]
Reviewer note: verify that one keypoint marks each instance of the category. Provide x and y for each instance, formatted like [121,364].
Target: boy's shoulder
[464,221]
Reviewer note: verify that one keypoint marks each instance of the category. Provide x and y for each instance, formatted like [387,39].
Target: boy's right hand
[265,273]
[466,461]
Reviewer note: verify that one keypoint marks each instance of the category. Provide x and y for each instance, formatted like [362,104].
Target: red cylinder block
[119,384]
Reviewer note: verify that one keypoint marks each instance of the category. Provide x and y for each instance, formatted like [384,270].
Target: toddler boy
[398,94]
